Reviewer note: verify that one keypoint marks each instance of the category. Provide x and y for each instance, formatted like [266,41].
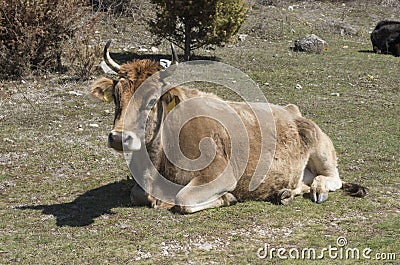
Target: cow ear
[103,89]
[172,103]
[173,97]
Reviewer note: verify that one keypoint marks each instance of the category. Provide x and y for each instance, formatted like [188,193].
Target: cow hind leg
[323,165]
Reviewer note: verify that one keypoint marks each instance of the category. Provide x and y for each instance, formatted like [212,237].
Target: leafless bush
[32,34]
[83,50]
[266,2]
[131,8]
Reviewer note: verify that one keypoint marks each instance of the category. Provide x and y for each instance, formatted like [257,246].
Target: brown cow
[304,160]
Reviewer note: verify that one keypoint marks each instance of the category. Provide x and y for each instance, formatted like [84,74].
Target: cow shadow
[366,51]
[382,53]
[86,207]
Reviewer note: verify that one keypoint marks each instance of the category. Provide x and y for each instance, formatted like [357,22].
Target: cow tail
[354,190]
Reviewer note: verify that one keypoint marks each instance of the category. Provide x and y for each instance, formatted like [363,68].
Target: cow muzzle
[124,141]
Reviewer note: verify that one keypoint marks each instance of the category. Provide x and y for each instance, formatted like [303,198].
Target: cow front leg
[204,192]
[225,200]
[141,198]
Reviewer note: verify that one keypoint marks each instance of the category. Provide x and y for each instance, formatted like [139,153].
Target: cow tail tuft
[354,190]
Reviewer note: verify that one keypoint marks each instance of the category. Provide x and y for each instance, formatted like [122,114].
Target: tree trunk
[188,41]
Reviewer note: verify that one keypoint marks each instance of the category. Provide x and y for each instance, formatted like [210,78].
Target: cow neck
[154,147]
[160,118]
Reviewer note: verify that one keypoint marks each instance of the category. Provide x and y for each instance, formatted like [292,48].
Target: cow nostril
[128,139]
[112,138]
[131,142]
[115,140]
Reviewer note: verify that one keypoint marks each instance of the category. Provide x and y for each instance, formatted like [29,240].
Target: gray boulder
[310,43]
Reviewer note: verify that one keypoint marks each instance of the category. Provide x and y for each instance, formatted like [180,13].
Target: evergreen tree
[192,24]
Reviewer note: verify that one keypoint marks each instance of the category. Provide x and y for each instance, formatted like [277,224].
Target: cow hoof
[161,205]
[229,199]
[319,197]
[177,209]
[285,196]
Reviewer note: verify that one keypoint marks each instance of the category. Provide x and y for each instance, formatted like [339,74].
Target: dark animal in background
[386,37]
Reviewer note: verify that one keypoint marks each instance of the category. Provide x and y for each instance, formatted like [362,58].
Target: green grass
[64,197]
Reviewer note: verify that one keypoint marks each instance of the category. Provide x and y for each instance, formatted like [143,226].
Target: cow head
[146,111]
[121,89]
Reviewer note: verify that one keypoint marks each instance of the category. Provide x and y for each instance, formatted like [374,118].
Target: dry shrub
[83,50]
[137,9]
[32,34]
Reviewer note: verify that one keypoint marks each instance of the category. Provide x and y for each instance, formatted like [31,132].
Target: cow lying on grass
[304,160]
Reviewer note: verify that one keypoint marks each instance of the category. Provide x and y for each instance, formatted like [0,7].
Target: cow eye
[151,103]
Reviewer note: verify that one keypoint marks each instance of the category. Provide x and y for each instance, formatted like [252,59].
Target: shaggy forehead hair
[138,71]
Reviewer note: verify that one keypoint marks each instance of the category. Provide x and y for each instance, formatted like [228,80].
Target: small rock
[335,94]
[242,37]
[154,49]
[75,93]
[8,140]
[290,8]
[9,184]
[142,50]
[142,255]
[310,43]
[165,63]
[122,225]
[205,246]
[298,86]
[94,125]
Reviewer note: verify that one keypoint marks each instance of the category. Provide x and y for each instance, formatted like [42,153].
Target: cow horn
[174,55]
[109,61]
